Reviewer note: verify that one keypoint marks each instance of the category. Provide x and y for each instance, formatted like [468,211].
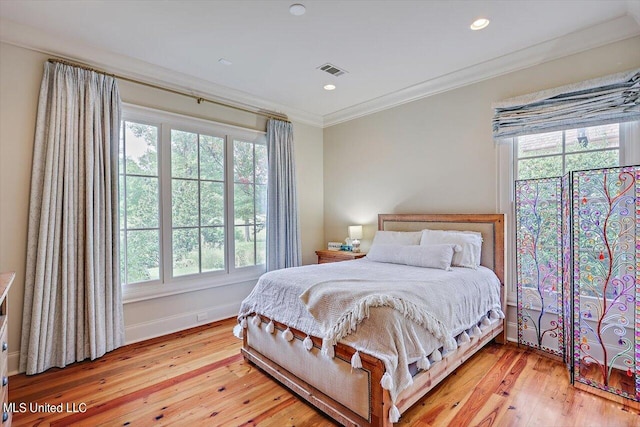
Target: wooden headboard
[490,225]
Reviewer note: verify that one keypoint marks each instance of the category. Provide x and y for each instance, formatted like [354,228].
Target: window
[139,203]
[197,203]
[192,201]
[553,154]
[556,153]
[250,202]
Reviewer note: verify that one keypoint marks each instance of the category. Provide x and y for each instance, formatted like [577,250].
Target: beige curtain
[283,230]
[72,302]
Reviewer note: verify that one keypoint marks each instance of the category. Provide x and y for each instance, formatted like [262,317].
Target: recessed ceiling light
[224,61]
[329,87]
[297,9]
[479,24]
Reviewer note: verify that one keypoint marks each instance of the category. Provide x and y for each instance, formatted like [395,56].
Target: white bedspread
[456,299]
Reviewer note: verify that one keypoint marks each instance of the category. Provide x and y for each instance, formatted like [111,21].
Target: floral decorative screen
[578,263]
[539,261]
[606,282]
[567,295]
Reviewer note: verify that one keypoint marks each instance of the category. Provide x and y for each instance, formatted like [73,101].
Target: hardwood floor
[197,377]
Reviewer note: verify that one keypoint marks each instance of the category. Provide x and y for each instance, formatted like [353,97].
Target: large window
[192,201]
[553,154]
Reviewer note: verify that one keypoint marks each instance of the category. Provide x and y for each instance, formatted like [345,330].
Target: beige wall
[437,154]
[20,75]
[431,155]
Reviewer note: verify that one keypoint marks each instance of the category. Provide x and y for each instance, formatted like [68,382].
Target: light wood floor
[197,377]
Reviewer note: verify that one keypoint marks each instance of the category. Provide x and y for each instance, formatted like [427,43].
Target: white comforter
[458,300]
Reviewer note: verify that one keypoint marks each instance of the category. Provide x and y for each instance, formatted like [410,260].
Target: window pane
[184,154]
[212,203]
[261,243]
[540,144]
[143,255]
[142,202]
[261,203]
[211,158]
[243,204]
[186,258]
[593,138]
[261,164]
[212,244]
[123,259]
[141,149]
[184,203]
[244,245]
[121,168]
[592,160]
[121,205]
[542,167]
[242,162]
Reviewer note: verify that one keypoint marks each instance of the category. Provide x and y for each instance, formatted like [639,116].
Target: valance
[610,99]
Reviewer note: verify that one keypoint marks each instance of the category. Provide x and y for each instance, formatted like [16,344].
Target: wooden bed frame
[492,227]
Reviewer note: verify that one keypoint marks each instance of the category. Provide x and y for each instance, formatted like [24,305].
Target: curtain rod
[199,99]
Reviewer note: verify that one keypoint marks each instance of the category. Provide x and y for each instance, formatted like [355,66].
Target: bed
[339,361]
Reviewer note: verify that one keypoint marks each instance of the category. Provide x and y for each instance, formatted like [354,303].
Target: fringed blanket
[339,306]
[398,314]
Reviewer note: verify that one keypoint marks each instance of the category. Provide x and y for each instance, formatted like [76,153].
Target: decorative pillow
[469,241]
[397,237]
[429,256]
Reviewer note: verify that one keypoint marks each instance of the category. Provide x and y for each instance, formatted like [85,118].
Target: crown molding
[602,34]
[633,9]
[598,35]
[70,49]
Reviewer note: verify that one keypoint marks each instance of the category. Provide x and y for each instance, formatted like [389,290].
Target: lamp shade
[355,232]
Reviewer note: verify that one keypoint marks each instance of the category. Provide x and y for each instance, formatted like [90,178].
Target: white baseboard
[155,328]
[512,332]
[13,362]
[168,325]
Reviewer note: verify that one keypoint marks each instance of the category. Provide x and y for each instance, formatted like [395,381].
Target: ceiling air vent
[332,69]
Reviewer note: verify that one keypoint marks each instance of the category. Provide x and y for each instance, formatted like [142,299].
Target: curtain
[72,301]
[610,99]
[283,232]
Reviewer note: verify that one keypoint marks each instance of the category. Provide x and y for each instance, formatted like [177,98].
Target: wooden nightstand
[336,256]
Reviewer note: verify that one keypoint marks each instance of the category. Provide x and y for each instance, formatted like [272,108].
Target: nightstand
[336,256]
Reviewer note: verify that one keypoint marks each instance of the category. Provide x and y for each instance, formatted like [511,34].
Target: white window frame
[506,156]
[167,285]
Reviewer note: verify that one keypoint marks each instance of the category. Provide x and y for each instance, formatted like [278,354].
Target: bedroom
[344,164]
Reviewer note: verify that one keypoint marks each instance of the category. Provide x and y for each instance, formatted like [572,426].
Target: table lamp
[355,234]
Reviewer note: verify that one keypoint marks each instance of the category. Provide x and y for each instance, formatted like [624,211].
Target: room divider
[578,280]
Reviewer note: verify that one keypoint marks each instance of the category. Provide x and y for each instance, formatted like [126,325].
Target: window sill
[147,291]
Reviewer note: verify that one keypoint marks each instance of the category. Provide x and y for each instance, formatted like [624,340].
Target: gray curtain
[610,99]
[283,232]
[72,301]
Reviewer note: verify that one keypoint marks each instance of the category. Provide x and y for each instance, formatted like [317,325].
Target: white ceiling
[389,48]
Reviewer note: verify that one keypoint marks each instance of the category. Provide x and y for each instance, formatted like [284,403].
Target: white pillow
[429,256]
[469,241]
[397,237]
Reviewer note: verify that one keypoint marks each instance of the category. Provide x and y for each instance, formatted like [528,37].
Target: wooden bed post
[499,242]
[380,398]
